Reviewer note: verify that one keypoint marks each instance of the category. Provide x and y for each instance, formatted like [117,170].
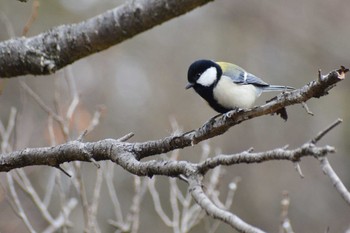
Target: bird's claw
[229,114]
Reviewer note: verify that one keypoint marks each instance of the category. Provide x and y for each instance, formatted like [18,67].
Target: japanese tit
[226,86]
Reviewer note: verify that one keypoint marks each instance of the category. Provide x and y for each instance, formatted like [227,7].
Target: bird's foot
[230,113]
[211,121]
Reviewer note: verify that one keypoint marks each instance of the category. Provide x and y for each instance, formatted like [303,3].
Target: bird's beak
[189,85]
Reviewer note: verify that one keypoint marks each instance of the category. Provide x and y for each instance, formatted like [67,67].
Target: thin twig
[32,18]
[80,186]
[109,175]
[285,226]
[51,131]
[60,221]
[95,119]
[325,131]
[174,205]
[337,183]
[298,169]
[307,108]
[41,103]
[2,130]
[320,77]
[82,135]
[49,188]
[95,201]
[133,217]
[63,198]
[126,137]
[64,171]
[232,188]
[18,204]
[6,134]
[72,108]
[186,215]
[69,77]
[35,197]
[157,205]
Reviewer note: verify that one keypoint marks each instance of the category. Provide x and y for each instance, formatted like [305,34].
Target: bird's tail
[278,88]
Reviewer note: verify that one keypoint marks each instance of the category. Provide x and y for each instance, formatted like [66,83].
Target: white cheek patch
[208,77]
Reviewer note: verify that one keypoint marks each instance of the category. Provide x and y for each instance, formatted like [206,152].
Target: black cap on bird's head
[203,73]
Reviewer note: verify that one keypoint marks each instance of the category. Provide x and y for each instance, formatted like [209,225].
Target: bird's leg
[226,116]
[212,120]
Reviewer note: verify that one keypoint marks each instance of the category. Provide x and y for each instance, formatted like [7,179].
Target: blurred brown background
[141,85]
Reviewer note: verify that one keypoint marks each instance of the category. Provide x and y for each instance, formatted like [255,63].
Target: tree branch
[63,45]
[338,184]
[212,128]
[128,154]
[308,149]
[196,189]
[119,152]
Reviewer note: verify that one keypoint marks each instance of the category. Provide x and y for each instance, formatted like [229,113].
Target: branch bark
[63,45]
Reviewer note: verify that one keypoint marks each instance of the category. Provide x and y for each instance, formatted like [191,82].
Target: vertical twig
[133,218]
[157,204]
[174,205]
[62,194]
[32,18]
[49,188]
[93,225]
[285,226]
[80,186]
[6,133]
[109,174]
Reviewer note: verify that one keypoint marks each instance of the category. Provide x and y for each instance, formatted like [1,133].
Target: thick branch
[63,45]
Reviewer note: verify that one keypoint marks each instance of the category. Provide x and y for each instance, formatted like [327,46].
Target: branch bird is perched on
[226,86]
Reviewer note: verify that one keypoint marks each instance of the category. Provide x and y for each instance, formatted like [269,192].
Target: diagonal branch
[338,184]
[196,189]
[63,45]
[223,123]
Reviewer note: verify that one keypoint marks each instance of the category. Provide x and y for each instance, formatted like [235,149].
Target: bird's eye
[198,75]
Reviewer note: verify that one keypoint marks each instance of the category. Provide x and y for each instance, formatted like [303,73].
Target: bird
[226,86]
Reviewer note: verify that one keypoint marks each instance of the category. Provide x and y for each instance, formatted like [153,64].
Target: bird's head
[203,73]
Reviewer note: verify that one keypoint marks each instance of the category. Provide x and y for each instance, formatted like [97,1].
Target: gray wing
[240,76]
[246,78]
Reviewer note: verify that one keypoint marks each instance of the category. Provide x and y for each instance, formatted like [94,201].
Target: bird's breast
[231,95]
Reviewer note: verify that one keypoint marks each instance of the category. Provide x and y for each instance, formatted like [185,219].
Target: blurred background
[140,86]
